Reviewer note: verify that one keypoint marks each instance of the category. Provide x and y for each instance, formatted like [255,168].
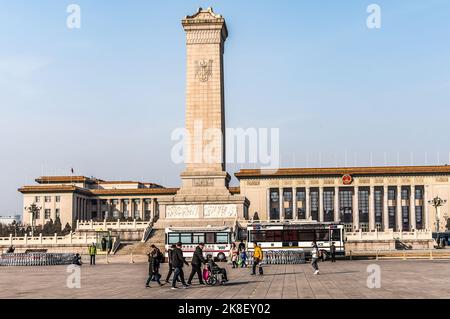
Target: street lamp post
[437,202]
[33,209]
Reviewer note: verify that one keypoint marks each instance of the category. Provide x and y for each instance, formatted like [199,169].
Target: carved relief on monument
[220,211]
[204,70]
[183,211]
[442,179]
[204,37]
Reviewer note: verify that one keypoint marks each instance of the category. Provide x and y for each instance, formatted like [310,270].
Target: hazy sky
[105,98]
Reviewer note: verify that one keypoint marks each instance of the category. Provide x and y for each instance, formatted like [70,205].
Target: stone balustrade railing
[389,235]
[70,239]
[116,225]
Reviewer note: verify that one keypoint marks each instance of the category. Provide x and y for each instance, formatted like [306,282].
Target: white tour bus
[287,235]
[217,240]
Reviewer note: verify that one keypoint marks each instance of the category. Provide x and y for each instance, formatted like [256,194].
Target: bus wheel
[221,257]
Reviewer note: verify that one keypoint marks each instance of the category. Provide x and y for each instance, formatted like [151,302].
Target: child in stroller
[212,272]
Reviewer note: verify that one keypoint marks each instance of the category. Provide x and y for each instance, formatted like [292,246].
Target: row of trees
[49,229]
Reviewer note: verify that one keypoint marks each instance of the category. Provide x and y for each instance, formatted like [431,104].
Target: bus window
[174,238]
[306,235]
[258,236]
[198,238]
[322,235]
[290,235]
[186,238]
[222,238]
[273,236]
[209,238]
[336,235]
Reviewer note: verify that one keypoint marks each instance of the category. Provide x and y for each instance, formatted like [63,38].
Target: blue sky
[104,99]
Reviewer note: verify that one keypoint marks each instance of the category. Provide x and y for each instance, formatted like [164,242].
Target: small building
[72,198]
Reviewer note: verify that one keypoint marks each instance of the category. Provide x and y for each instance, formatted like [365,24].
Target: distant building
[8,220]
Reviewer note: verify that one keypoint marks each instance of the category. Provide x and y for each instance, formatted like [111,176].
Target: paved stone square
[343,279]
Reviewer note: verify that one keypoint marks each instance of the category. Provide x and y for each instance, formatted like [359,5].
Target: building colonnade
[365,208]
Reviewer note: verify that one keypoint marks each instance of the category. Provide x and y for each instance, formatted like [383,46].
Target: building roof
[87,180]
[354,171]
[66,179]
[53,189]
[96,192]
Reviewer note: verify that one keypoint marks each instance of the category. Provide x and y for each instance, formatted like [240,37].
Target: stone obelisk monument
[204,194]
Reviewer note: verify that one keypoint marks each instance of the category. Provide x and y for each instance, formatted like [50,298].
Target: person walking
[234,254]
[257,258]
[243,259]
[154,259]
[315,257]
[241,246]
[333,252]
[92,252]
[196,263]
[169,254]
[177,262]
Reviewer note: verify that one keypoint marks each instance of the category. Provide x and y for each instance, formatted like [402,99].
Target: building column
[294,204]
[412,208]
[355,208]
[86,214]
[399,208]
[321,206]
[131,208]
[268,204]
[426,212]
[142,208]
[307,202]
[153,209]
[110,210]
[337,215]
[77,208]
[281,203]
[372,208]
[99,209]
[385,208]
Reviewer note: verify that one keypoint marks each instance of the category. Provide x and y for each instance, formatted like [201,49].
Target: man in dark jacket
[197,261]
[177,262]
[153,266]
[169,254]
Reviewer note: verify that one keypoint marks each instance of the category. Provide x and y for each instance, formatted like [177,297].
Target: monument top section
[206,20]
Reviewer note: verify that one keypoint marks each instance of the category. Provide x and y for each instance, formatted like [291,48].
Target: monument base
[203,210]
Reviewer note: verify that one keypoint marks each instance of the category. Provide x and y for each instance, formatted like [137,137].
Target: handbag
[205,274]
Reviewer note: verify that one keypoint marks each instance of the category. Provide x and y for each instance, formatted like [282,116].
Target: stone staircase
[139,248]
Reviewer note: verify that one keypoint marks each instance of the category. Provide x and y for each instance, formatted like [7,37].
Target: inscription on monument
[183,211]
[203,182]
[220,211]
